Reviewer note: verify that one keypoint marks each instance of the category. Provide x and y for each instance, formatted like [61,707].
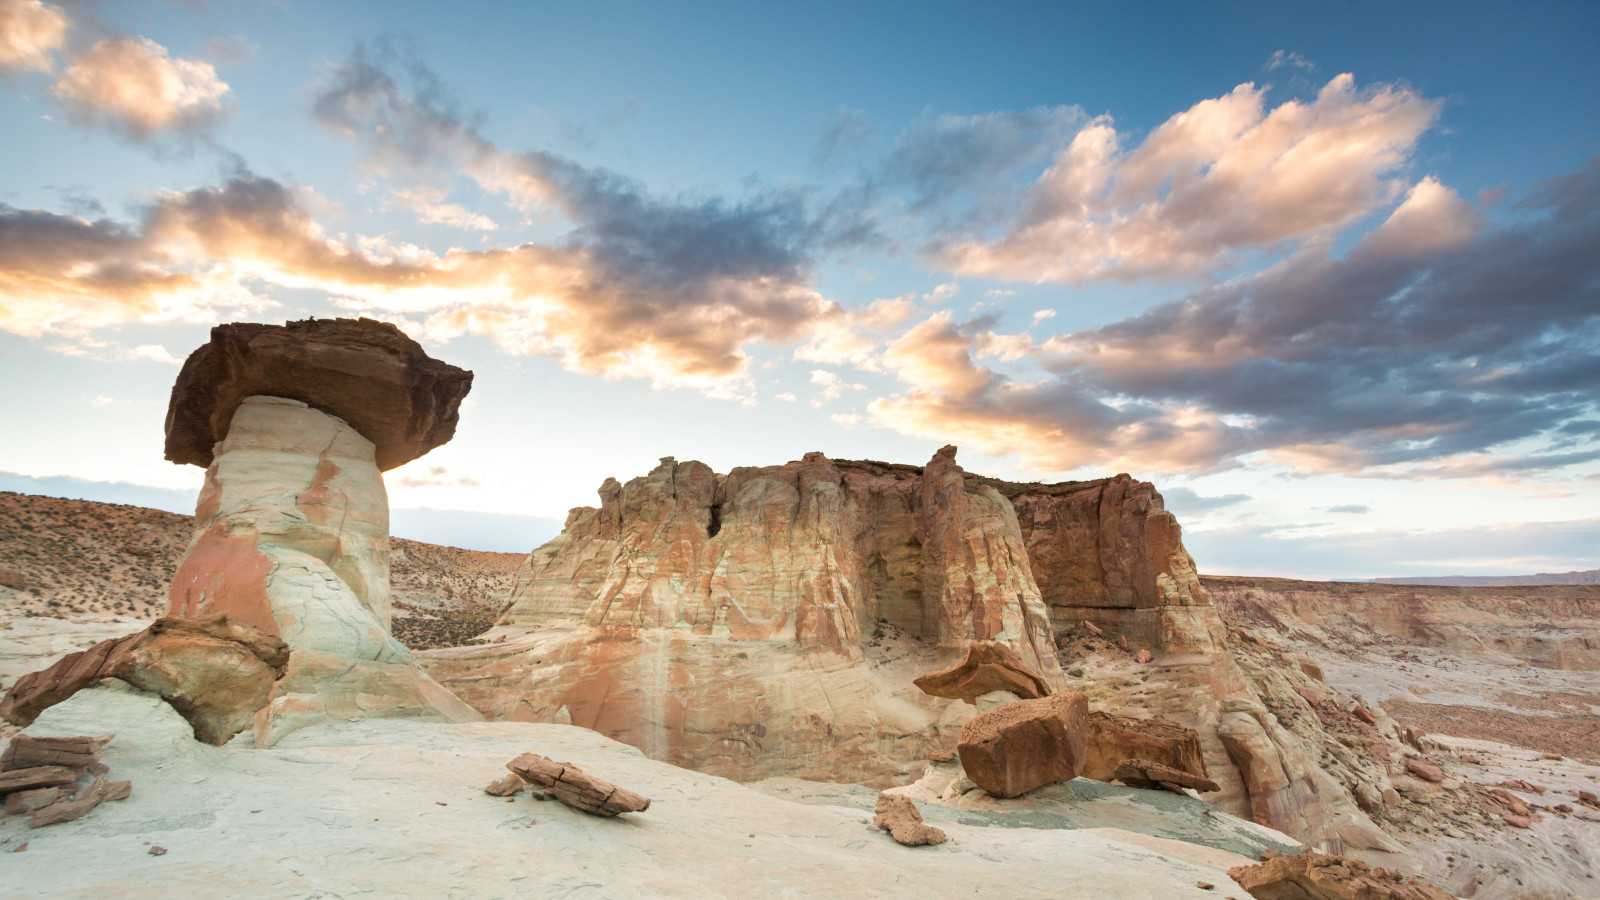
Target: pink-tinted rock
[1424,769]
[1111,739]
[988,666]
[1313,876]
[366,372]
[1015,748]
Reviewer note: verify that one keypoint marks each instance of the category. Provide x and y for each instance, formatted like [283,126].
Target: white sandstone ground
[396,808]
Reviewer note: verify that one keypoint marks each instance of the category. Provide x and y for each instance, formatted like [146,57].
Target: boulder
[988,666]
[32,779]
[216,672]
[576,788]
[1015,748]
[363,371]
[1113,738]
[1425,769]
[1314,876]
[900,817]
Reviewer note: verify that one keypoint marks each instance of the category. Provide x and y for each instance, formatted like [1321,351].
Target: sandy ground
[396,808]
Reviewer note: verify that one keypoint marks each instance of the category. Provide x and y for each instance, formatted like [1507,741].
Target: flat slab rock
[366,372]
[1141,773]
[988,666]
[576,788]
[1315,876]
[26,751]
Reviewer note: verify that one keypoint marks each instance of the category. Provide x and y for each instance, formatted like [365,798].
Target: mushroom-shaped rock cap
[366,372]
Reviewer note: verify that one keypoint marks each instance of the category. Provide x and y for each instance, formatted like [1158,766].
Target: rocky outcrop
[1142,773]
[575,787]
[988,666]
[215,672]
[365,372]
[39,776]
[1315,876]
[899,816]
[1015,748]
[292,525]
[1113,739]
[1108,552]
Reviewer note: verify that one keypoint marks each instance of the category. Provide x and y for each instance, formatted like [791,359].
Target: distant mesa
[365,372]
[1587,576]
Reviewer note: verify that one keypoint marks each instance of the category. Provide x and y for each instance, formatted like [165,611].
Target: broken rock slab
[79,806]
[899,816]
[576,788]
[1314,876]
[1015,748]
[988,666]
[26,751]
[1141,773]
[1114,738]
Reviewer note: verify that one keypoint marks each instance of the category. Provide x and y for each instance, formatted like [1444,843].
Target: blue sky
[1327,275]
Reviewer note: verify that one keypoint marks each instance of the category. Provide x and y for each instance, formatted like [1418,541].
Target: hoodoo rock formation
[295,424]
[775,621]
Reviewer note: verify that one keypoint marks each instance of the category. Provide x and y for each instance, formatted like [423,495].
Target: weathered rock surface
[96,793]
[1113,739]
[509,786]
[575,787]
[897,815]
[988,666]
[25,751]
[216,672]
[365,372]
[1314,876]
[35,778]
[292,538]
[1015,748]
[1146,774]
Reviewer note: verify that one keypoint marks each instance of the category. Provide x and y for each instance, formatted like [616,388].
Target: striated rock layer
[772,622]
[292,532]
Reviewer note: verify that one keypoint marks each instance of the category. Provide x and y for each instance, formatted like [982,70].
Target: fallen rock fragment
[942,756]
[576,788]
[1425,770]
[24,802]
[988,666]
[1015,748]
[1516,821]
[900,817]
[1142,657]
[1362,713]
[26,751]
[1142,773]
[215,672]
[1315,876]
[67,810]
[505,787]
[1588,799]
[37,777]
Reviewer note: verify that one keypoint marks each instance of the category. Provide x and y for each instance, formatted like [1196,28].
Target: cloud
[134,87]
[1438,346]
[1281,58]
[978,156]
[1225,176]
[30,35]
[833,387]
[1350,508]
[429,205]
[642,286]
[846,134]
[1184,500]
[1502,549]
[437,476]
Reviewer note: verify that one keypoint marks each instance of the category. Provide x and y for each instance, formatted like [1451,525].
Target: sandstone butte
[294,425]
[771,621]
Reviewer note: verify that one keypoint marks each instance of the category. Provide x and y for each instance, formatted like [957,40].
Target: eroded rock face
[988,666]
[1108,552]
[215,672]
[1015,748]
[366,372]
[292,537]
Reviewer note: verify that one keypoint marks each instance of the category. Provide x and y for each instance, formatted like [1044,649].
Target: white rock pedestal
[292,536]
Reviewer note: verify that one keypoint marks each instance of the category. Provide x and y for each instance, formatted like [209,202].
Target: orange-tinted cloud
[30,35]
[133,86]
[1224,176]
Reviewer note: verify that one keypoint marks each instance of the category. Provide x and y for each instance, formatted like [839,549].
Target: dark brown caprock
[577,789]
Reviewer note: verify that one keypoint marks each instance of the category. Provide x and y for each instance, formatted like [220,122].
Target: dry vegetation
[78,557]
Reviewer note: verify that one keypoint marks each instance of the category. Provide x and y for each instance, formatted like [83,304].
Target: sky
[1328,275]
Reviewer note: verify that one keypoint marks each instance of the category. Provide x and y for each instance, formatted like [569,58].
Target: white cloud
[429,205]
[30,34]
[134,86]
[833,387]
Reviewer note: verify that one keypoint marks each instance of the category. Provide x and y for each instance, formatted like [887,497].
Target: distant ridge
[1588,576]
